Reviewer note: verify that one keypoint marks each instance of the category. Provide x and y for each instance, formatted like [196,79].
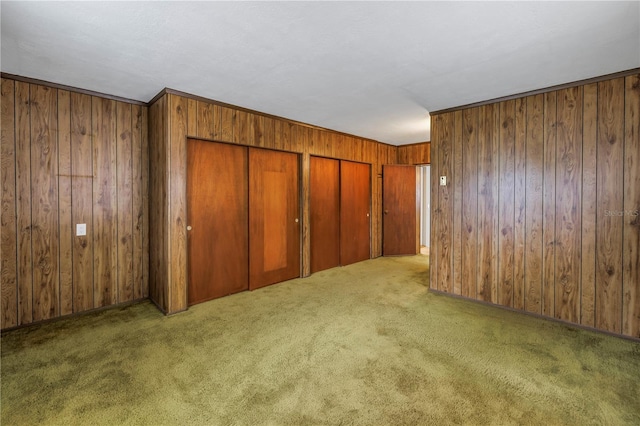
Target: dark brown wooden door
[355,212]
[401,210]
[217,201]
[274,226]
[325,213]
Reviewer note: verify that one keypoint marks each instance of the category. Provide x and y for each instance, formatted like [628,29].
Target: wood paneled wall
[174,117]
[70,158]
[417,153]
[541,212]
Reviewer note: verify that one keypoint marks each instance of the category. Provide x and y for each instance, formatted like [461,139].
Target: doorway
[425,208]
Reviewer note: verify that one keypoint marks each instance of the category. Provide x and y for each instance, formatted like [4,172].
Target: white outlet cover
[81,229]
[443,181]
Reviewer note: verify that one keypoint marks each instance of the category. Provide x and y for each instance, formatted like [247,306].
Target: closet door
[325,213]
[274,226]
[355,212]
[217,206]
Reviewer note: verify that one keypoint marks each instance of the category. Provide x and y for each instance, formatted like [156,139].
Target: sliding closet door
[217,205]
[274,252]
[325,213]
[355,212]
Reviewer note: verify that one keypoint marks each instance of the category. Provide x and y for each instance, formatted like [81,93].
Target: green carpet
[366,344]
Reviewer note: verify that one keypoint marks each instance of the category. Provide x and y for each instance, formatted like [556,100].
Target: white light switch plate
[81,229]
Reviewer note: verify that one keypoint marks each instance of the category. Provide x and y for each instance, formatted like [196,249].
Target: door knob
[386,212]
[189,228]
[296,220]
[367,214]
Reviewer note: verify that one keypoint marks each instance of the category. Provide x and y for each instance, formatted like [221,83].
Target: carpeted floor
[366,344]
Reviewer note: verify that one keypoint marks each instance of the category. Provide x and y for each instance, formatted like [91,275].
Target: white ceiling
[372,69]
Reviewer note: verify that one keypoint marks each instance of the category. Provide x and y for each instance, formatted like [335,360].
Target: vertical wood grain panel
[519,234]
[457,203]
[486,204]
[105,231]
[82,200]
[257,125]
[302,133]
[610,203]
[242,129]
[549,204]
[23,207]
[44,197]
[65,228]
[137,198]
[565,191]
[227,123]
[207,120]
[145,201]
[53,138]
[534,204]
[568,200]
[158,269]
[269,132]
[192,116]
[445,225]
[470,202]
[589,204]
[506,202]
[177,200]
[631,247]
[8,230]
[414,154]
[124,185]
[435,203]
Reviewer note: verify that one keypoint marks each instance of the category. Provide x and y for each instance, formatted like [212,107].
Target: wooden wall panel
[506,201]
[445,223]
[177,176]
[419,153]
[68,165]
[82,200]
[105,229]
[8,231]
[589,204]
[23,208]
[549,206]
[469,243]
[534,151]
[631,244]
[564,185]
[124,191]
[568,204]
[158,202]
[434,245]
[65,200]
[610,192]
[44,194]
[519,231]
[487,205]
[457,184]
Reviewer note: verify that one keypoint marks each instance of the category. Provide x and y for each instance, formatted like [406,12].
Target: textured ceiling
[372,69]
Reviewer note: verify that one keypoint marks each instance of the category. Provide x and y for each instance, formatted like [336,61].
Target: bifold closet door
[325,213]
[401,210]
[217,206]
[274,226]
[355,212]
